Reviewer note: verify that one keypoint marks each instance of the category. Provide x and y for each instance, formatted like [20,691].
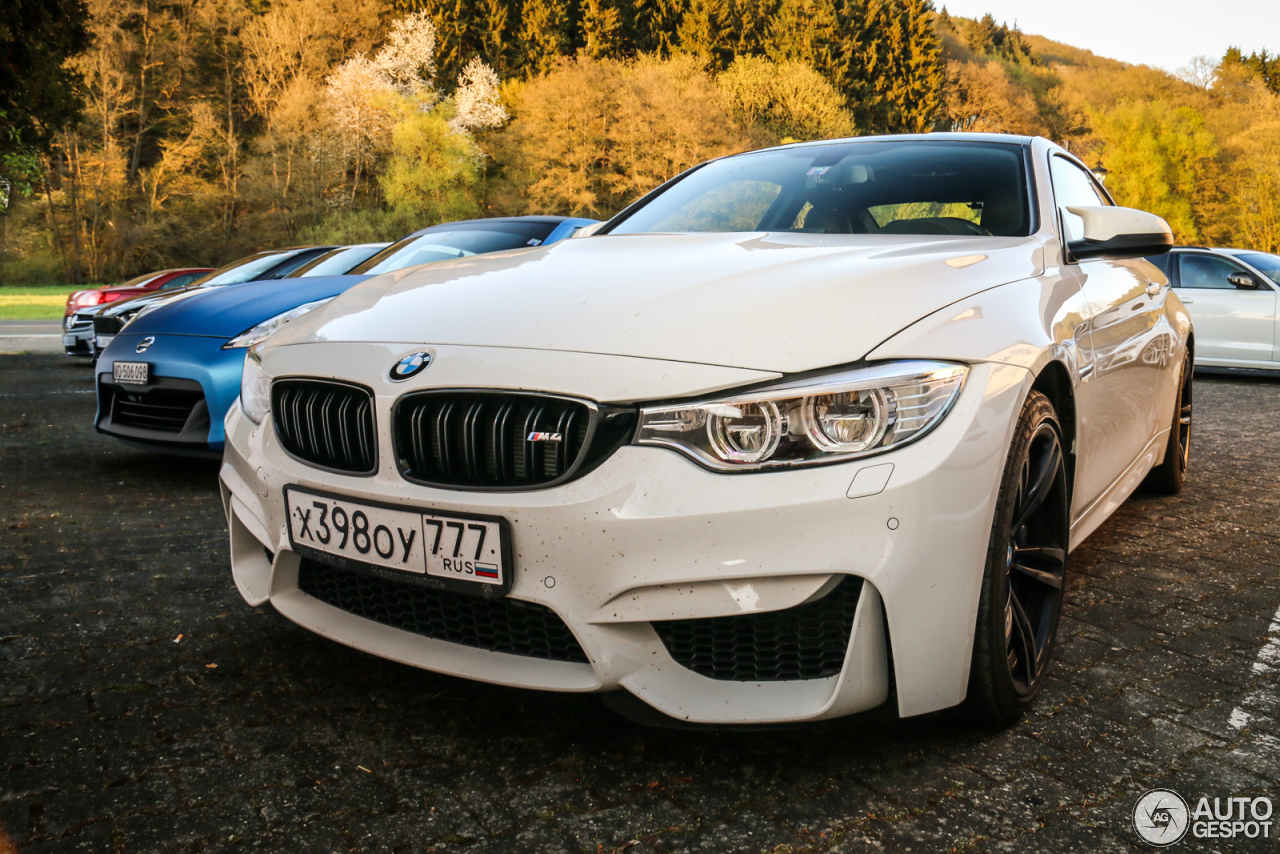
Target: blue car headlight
[255,334]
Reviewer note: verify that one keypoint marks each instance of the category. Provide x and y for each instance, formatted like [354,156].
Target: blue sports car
[169,376]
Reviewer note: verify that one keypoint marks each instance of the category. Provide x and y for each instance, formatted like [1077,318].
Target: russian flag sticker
[487,570]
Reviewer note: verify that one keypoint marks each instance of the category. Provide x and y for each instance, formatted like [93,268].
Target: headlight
[255,334]
[824,419]
[255,389]
[130,316]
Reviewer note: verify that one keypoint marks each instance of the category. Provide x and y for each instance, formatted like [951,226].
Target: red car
[167,279]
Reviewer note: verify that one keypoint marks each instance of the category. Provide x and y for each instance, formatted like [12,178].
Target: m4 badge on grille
[545,437]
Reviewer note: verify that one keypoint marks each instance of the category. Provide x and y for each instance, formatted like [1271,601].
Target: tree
[590,136]
[432,167]
[544,34]
[1161,159]
[359,100]
[703,30]
[787,101]
[601,29]
[37,89]
[1262,65]
[910,74]
[982,98]
[477,99]
[408,59]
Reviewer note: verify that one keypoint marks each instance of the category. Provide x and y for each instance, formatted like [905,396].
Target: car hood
[134,303]
[781,302]
[226,311]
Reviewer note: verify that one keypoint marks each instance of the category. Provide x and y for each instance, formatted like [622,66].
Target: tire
[1167,477]
[1025,573]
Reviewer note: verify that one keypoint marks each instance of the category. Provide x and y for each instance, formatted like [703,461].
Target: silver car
[1231,297]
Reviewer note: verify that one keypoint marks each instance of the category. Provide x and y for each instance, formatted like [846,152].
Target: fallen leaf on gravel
[211,666]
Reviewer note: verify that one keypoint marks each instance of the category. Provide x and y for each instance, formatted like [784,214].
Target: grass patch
[45,302]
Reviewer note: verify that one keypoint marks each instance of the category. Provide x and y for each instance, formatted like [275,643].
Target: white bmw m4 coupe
[803,432]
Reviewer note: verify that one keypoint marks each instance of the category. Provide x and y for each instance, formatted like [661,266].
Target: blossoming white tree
[357,95]
[478,106]
[408,60]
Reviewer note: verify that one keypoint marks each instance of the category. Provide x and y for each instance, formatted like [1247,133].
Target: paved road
[30,336]
[145,708]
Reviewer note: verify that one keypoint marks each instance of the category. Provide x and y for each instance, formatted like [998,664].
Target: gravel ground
[145,708]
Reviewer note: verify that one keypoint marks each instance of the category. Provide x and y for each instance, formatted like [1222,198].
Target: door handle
[1153,289]
[1186,301]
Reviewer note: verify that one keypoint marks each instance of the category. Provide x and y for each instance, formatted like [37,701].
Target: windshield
[138,280]
[337,262]
[911,187]
[1265,263]
[455,243]
[244,270]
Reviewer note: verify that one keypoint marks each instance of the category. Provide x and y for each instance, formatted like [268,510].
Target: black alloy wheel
[1167,478]
[1026,570]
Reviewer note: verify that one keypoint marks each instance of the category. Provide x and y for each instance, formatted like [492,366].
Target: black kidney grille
[164,410]
[500,625]
[805,642]
[482,439]
[326,423]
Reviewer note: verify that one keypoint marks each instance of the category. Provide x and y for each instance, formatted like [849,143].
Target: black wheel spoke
[1041,486]
[1024,640]
[1048,578]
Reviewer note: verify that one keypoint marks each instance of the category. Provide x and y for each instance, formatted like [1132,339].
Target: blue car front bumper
[191,384]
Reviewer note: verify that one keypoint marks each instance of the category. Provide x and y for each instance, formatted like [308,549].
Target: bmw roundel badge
[410,366]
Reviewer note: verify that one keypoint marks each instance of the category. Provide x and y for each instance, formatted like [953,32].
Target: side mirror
[1111,232]
[1244,280]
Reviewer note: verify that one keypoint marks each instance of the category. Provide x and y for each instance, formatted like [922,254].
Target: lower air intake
[805,642]
[500,625]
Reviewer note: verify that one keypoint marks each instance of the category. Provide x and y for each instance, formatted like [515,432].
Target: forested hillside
[211,128]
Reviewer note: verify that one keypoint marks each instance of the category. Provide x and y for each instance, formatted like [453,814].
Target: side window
[1072,187]
[1164,263]
[1206,271]
[178,282]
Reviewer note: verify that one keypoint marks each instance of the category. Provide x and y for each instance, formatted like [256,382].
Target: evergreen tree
[601,29]
[655,24]
[37,90]
[747,26]
[807,31]
[909,81]
[494,20]
[1262,65]
[703,32]
[544,34]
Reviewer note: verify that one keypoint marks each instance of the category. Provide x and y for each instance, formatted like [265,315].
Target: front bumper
[650,536]
[191,365]
[77,335]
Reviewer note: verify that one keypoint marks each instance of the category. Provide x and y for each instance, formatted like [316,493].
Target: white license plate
[460,552]
[103,341]
[130,373]
[68,340]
